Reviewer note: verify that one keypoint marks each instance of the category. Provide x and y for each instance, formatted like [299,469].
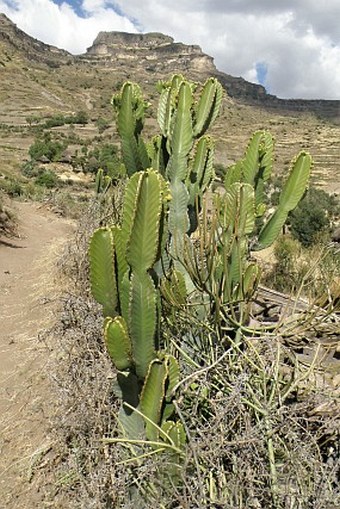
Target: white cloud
[60,26]
[298,42]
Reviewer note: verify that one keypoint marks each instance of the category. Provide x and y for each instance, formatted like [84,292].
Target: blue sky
[76,4]
[290,46]
[261,73]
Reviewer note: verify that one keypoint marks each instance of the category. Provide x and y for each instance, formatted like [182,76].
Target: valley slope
[39,81]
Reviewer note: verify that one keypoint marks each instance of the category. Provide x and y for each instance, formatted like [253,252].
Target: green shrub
[102,124]
[29,169]
[47,178]
[307,223]
[46,147]
[313,216]
[11,186]
[55,121]
[81,117]
[105,157]
[32,119]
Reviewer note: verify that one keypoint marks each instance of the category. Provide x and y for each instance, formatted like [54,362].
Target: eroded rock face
[153,49]
[159,53]
[151,56]
[108,43]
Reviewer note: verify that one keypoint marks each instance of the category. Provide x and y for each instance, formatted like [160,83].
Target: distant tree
[32,119]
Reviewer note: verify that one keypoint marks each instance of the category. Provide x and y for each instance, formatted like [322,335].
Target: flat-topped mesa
[108,43]
[154,48]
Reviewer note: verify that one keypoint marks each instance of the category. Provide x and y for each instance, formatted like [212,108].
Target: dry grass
[256,436]
[7,217]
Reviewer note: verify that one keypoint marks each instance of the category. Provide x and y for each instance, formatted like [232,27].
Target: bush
[46,147]
[102,124]
[105,157]
[32,119]
[307,222]
[81,117]
[29,169]
[55,121]
[47,178]
[313,216]
[284,275]
[12,187]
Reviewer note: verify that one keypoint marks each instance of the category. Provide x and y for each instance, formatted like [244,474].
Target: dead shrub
[255,439]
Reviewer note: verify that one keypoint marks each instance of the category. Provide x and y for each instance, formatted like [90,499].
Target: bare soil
[28,300]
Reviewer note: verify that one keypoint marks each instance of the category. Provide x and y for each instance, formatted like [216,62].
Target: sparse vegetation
[104,156]
[46,148]
[47,178]
[11,186]
[246,401]
[314,216]
[102,124]
[256,396]
[286,274]
[7,218]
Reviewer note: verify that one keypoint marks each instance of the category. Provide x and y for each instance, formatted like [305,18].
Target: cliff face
[159,53]
[152,51]
[147,58]
[109,43]
[256,95]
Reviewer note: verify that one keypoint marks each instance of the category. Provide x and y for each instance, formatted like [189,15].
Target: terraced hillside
[39,81]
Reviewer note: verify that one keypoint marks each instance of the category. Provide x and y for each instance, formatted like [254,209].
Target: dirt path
[28,292]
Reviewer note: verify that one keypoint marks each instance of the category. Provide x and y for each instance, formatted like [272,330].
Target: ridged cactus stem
[224,269]
[131,107]
[121,261]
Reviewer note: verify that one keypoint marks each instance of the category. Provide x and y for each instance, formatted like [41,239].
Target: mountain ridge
[40,82]
[160,54]
[14,36]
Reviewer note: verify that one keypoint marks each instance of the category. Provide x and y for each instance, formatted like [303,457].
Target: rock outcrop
[156,52]
[152,51]
[256,95]
[149,57]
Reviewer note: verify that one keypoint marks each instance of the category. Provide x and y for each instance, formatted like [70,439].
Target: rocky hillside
[38,81]
[15,42]
[155,52]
